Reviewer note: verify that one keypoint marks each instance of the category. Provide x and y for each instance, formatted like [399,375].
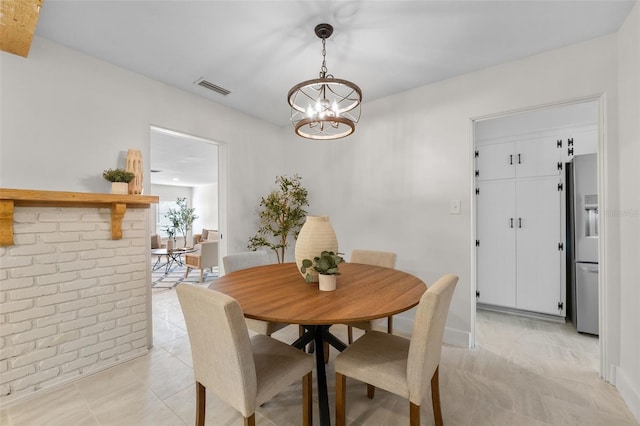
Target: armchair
[206,257]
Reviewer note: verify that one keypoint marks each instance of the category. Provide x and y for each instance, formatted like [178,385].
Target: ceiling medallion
[325,108]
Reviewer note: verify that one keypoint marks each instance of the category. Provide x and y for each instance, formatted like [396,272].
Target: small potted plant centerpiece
[171,234]
[326,265]
[119,179]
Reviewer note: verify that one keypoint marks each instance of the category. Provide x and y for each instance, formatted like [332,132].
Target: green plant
[282,214]
[171,232]
[182,218]
[118,175]
[325,264]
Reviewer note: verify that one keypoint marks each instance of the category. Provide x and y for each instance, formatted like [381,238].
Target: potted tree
[119,179]
[326,265]
[182,218]
[282,214]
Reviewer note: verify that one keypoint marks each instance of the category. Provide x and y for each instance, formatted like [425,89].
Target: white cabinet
[520,217]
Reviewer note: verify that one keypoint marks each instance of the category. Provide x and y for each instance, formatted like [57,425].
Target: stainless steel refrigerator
[582,179]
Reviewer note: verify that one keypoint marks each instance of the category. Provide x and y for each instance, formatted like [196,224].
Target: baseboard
[520,313]
[404,326]
[629,392]
[53,388]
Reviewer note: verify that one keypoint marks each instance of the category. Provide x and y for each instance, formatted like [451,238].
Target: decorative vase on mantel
[316,235]
[134,165]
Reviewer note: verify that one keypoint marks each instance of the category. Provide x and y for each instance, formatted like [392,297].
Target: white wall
[628,214]
[205,200]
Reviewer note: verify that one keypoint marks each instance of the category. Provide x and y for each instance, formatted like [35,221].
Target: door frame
[604,342]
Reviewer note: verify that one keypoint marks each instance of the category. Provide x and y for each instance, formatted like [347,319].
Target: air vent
[155,171]
[208,85]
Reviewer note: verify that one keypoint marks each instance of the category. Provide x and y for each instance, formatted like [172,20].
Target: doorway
[575,129]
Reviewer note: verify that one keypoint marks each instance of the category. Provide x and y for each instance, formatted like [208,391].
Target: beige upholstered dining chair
[205,257]
[243,372]
[399,365]
[377,258]
[249,259]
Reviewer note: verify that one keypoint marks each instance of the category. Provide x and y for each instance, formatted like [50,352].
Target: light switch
[454,207]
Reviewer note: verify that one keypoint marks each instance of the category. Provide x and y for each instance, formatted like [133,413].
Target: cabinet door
[537,157]
[497,250]
[539,261]
[495,161]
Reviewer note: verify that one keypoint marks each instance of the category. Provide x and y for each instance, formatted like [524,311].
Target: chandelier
[325,108]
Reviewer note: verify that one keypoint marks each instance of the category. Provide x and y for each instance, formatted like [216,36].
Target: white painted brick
[77,265]
[96,291]
[56,319]
[111,261]
[134,233]
[131,251]
[3,276]
[113,279]
[32,271]
[57,360]
[94,349]
[16,350]
[97,254]
[113,353]
[58,298]
[113,244]
[61,215]
[58,339]
[34,228]
[15,261]
[33,292]
[131,338]
[115,296]
[60,237]
[24,216]
[102,215]
[79,323]
[56,278]
[7,329]
[55,258]
[132,267]
[16,305]
[5,390]
[139,326]
[132,319]
[78,285]
[77,304]
[32,313]
[32,357]
[98,328]
[138,308]
[96,235]
[77,246]
[24,239]
[17,373]
[79,363]
[115,333]
[3,296]
[37,333]
[139,300]
[36,378]
[96,310]
[77,227]
[139,276]
[140,343]
[114,314]
[78,344]
[140,242]
[141,291]
[4,366]
[97,273]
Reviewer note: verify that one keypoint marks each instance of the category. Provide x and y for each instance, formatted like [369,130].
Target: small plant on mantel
[118,175]
[325,264]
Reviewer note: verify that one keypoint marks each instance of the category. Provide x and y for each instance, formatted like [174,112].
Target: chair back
[249,259]
[376,258]
[155,241]
[220,346]
[208,254]
[426,337]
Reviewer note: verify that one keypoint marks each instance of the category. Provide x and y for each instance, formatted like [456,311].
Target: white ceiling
[259,49]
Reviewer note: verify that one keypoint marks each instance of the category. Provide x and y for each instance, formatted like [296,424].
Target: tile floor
[524,372]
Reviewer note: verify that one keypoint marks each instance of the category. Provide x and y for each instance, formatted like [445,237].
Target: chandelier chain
[323,68]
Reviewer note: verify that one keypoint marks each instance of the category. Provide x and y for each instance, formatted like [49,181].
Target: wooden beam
[18,19]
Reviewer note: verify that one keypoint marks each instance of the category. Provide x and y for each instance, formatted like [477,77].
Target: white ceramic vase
[327,282]
[316,235]
[119,188]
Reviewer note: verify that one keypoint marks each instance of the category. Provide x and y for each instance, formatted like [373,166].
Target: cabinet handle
[511,159]
[519,162]
[519,222]
[511,222]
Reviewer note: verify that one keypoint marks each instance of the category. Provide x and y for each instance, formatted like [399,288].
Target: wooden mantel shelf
[10,198]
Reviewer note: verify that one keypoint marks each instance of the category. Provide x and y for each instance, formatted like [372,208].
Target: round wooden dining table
[279,293]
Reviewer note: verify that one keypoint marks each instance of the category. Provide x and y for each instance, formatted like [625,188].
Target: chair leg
[390,324]
[201,274]
[435,397]
[371,391]
[250,421]
[186,274]
[414,414]
[341,399]
[350,334]
[201,403]
[307,410]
